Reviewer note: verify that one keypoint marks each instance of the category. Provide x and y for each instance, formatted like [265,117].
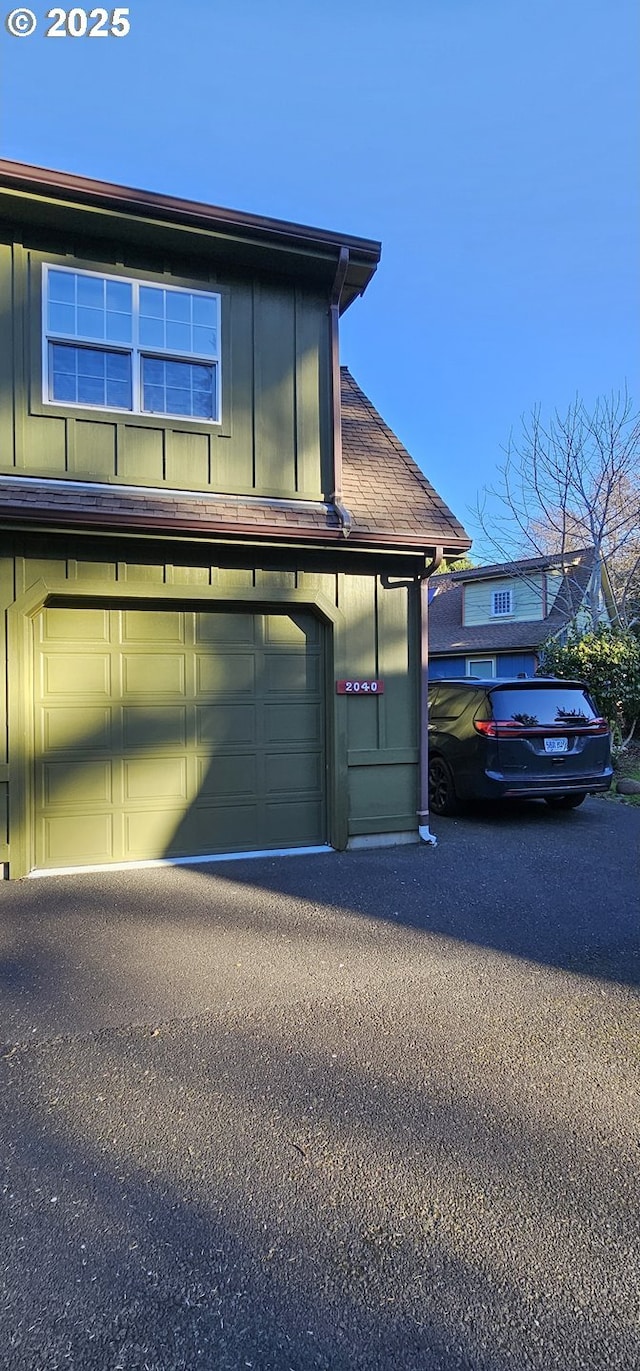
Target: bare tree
[570,483]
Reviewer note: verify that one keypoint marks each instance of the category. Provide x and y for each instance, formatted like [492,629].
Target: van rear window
[450,701]
[553,704]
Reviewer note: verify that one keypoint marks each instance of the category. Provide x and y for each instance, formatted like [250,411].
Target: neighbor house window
[123,344]
[481,666]
[501,602]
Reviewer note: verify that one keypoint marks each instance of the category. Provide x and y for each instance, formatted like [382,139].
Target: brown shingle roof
[383,486]
[390,502]
[520,567]
[448,636]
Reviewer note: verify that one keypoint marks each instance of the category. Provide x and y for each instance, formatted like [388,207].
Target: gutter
[27,178]
[336,406]
[90,520]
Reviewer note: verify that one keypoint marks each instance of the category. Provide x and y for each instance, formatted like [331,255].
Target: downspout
[423,811]
[423,581]
[334,315]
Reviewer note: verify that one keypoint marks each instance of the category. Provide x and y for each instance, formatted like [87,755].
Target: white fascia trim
[40,872]
[170,493]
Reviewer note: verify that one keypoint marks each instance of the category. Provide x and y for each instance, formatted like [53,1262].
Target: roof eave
[97,520]
[47,198]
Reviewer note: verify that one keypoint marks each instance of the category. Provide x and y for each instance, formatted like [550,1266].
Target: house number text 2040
[354,687]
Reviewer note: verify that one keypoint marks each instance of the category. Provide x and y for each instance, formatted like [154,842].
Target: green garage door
[174,733]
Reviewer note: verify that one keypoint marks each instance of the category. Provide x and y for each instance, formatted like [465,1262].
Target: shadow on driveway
[560,889]
[343,1113]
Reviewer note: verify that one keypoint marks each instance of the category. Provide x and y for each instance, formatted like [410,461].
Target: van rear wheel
[566,801]
[442,791]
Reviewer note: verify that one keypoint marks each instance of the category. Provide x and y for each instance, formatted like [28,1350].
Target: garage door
[173,733]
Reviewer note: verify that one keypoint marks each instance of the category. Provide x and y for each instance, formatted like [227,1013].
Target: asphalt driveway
[359,1111]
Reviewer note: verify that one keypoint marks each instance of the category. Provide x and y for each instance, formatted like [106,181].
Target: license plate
[555,744]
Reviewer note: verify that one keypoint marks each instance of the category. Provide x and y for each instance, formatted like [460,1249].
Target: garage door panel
[296,723]
[75,626]
[289,673]
[154,778]
[226,724]
[154,673]
[149,833]
[157,626]
[77,674]
[226,628]
[226,674]
[64,783]
[228,827]
[221,777]
[287,824]
[147,727]
[293,771]
[75,729]
[294,630]
[77,840]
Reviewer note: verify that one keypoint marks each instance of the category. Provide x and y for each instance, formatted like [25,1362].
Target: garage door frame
[65,593]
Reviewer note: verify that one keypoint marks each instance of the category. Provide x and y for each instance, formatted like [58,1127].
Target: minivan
[524,738]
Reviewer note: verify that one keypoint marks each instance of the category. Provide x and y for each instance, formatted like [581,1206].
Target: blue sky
[492,145]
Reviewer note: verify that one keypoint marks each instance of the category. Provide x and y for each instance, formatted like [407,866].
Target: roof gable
[449,636]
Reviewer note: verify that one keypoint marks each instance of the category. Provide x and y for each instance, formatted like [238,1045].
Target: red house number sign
[360,687]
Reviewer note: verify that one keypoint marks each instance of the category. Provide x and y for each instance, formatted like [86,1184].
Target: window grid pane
[179,321]
[501,601]
[85,376]
[181,388]
[87,307]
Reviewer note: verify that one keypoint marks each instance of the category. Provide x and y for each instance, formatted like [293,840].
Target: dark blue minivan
[525,738]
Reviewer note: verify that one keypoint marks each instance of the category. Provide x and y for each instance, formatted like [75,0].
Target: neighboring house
[208,531]
[493,620]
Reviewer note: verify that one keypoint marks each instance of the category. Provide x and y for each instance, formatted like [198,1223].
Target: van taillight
[501,728]
[509,728]
[487,727]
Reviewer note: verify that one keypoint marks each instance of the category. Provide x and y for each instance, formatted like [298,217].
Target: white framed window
[501,602]
[481,666]
[117,343]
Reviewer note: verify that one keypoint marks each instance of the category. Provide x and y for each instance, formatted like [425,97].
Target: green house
[215,554]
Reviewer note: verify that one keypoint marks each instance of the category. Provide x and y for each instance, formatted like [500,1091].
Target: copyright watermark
[20,23]
[73,23]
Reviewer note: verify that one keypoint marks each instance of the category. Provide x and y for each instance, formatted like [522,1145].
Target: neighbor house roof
[522,566]
[390,501]
[448,636]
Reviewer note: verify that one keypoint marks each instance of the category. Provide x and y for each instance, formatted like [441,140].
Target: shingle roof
[519,567]
[449,636]
[390,502]
[382,483]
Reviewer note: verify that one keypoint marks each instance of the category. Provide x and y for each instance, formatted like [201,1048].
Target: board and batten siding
[527,600]
[373,755]
[275,434]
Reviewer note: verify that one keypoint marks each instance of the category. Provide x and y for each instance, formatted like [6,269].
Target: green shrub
[608,660]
